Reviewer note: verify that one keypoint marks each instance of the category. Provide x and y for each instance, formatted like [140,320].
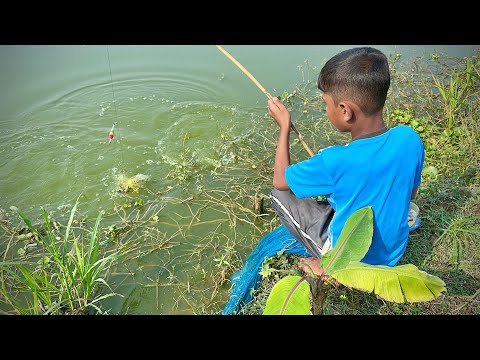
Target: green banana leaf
[289,296]
[397,284]
[357,232]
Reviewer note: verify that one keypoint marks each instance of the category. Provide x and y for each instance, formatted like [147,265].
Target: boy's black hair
[360,75]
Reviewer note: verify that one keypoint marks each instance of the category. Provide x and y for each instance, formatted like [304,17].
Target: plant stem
[319,294]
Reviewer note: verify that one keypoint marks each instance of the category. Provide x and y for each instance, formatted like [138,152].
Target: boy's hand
[279,113]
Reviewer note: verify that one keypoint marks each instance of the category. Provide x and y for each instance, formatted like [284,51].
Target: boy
[380,167]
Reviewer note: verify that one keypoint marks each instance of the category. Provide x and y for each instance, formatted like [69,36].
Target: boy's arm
[282,160]
[414,193]
[418,171]
[281,115]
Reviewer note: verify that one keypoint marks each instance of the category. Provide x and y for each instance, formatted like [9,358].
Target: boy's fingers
[270,104]
[274,103]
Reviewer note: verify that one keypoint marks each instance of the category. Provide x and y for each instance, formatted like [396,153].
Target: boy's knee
[274,192]
[283,196]
[275,201]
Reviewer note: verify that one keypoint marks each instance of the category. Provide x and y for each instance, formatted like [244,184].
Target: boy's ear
[346,110]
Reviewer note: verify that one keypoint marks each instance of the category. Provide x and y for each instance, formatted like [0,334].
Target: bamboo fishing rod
[250,76]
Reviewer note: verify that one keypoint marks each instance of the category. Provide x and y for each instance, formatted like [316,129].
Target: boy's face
[334,112]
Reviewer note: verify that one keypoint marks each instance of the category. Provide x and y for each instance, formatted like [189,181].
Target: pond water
[172,107]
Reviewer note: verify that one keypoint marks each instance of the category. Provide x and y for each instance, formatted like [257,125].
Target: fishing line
[114,103]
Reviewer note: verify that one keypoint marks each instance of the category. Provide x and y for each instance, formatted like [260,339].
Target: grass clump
[65,275]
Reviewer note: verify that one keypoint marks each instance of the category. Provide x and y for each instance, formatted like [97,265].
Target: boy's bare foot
[309,265]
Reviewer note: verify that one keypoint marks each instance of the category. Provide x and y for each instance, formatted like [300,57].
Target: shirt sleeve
[309,178]
[418,170]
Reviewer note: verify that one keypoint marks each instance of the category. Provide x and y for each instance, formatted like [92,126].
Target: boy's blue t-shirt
[380,172]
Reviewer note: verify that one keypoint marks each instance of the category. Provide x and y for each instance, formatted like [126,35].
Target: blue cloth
[379,171]
[247,279]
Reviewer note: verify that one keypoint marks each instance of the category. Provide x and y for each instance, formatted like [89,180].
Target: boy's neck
[368,127]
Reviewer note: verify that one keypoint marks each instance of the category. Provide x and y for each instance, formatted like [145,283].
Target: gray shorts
[306,219]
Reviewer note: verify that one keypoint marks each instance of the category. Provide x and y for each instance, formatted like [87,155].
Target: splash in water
[130,184]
